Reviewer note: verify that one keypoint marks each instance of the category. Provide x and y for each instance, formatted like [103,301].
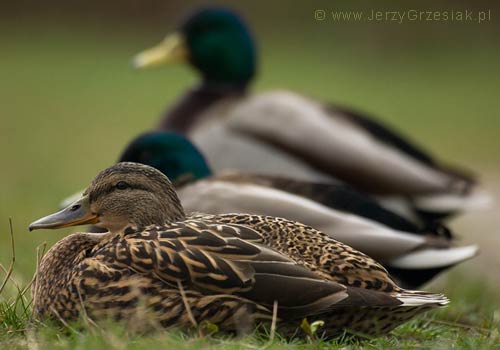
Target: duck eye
[122,185]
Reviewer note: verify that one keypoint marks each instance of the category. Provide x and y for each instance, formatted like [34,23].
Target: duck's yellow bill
[172,49]
[77,213]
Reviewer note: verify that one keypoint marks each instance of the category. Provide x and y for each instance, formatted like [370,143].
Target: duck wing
[345,145]
[222,259]
[368,283]
[340,197]
[412,257]
[315,250]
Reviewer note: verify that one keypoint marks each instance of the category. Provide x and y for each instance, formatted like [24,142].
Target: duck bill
[171,50]
[77,213]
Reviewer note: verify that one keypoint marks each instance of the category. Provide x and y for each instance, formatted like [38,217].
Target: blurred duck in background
[413,254]
[281,132]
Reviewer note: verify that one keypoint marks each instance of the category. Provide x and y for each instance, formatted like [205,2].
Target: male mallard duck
[182,269]
[282,132]
[413,254]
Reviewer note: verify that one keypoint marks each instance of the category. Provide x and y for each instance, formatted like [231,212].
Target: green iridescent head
[169,152]
[216,41]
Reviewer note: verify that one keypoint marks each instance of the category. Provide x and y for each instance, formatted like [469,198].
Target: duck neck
[184,115]
[164,212]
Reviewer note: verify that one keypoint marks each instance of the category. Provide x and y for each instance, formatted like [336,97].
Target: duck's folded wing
[463,192]
[375,239]
[212,258]
[382,133]
[372,159]
[340,197]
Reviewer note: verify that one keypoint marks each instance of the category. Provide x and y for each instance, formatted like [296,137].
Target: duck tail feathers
[417,298]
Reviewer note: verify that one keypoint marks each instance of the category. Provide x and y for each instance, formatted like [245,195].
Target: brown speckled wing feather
[307,246]
[214,258]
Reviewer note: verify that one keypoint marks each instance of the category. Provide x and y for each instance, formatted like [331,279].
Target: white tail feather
[416,298]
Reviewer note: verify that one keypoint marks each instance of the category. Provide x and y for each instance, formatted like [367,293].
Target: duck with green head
[156,262]
[280,132]
[413,254]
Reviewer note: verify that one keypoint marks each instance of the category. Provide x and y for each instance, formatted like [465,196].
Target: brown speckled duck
[230,267]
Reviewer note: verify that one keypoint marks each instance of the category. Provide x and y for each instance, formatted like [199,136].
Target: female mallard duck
[220,268]
[282,132]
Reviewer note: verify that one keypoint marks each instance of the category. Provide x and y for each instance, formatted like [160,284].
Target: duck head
[215,41]
[171,153]
[123,195]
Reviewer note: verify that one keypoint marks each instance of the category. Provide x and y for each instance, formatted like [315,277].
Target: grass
[469,323]
[71,102]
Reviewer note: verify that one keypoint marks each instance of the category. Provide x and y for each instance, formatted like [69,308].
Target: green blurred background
[70,99]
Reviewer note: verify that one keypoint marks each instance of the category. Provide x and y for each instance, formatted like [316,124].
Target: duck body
[101,288]
[228,265]
[413,253]
[280,131]
[135,275]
